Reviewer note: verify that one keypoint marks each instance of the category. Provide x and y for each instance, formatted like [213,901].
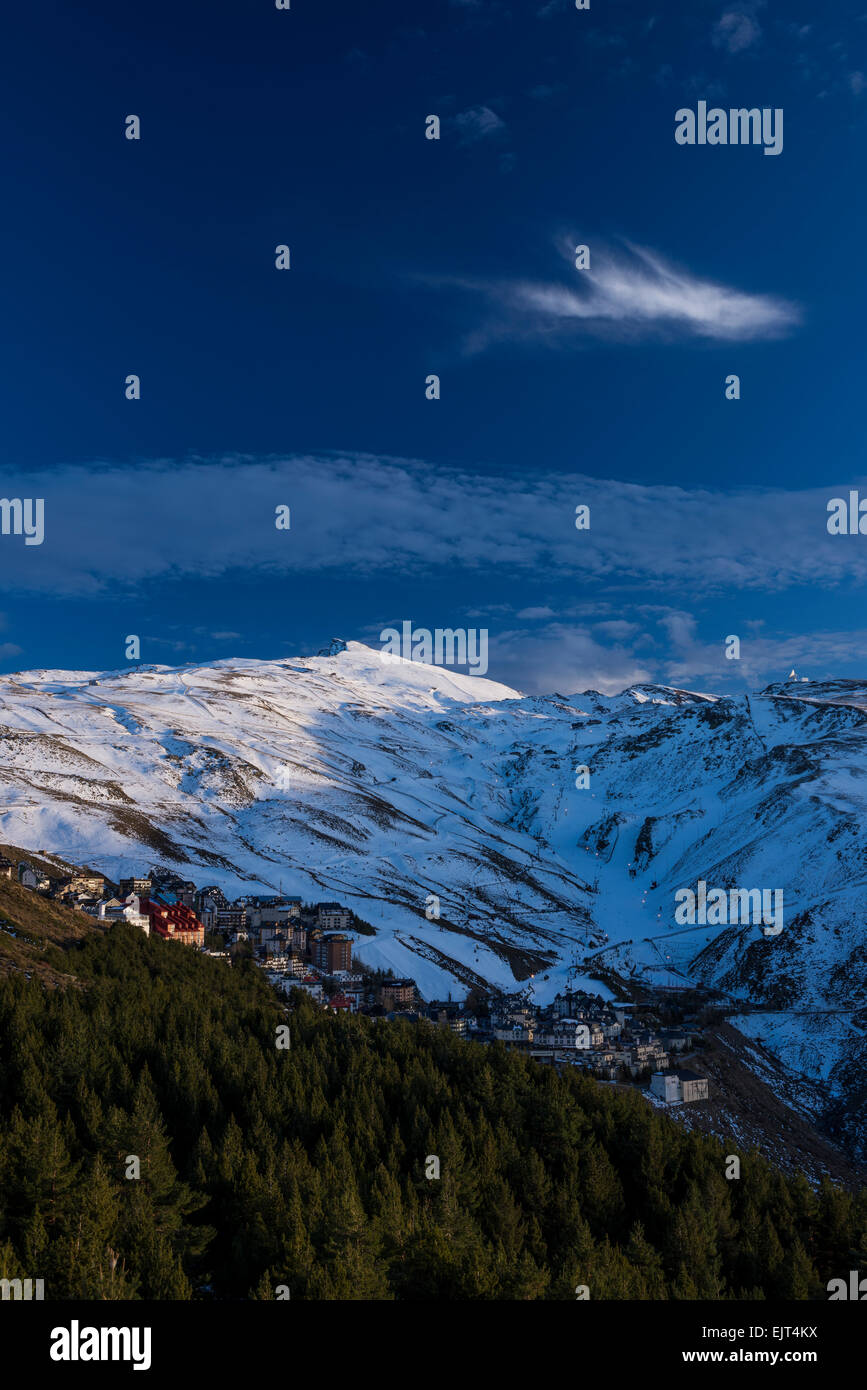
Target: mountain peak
[667,694]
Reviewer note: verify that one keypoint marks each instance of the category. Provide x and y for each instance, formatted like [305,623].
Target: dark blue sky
[412,256]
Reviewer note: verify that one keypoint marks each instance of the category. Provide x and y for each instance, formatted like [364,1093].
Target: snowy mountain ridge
[384,783]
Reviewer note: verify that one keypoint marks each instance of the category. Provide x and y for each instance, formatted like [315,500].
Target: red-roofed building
[340,1004]
[173,922]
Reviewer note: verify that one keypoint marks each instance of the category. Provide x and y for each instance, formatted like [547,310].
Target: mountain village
[309,946]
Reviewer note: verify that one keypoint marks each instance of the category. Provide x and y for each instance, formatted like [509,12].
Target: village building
[173,922]
[395,993]
[355,989]
[232,918]
[209,899]
[28,877]
[299,938]
[605,1063]
[514,1033]
[277,963]
[140,886]
[214,910]
[404,1016]
[312,987]
[448,1016]
[515,1016]
[333,952]
[166,884]
[274,911]
[340,1004]
[87,882]
[333,917]
[112,910]
[679,1087]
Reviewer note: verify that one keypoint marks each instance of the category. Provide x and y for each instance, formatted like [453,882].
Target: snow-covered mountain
[382,783]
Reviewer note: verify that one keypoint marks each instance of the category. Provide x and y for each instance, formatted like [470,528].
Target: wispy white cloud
[362,515]
[478,123]
[664,648]
[564,658]
[652,554]
[633,293]
[528,614]
[680,628]
[737,30]
[616,630]
[764,657]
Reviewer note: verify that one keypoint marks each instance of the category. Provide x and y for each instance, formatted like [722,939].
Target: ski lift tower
[672,982]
